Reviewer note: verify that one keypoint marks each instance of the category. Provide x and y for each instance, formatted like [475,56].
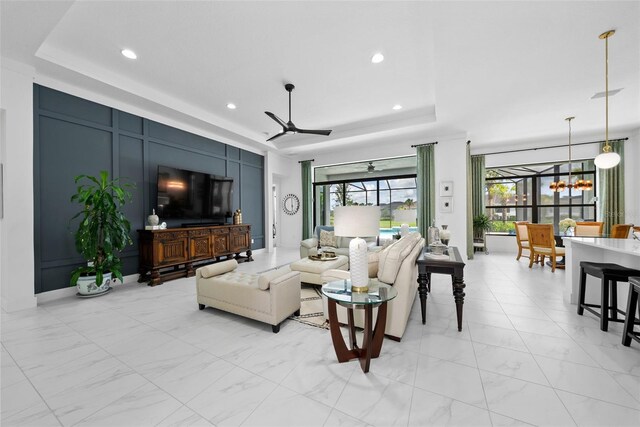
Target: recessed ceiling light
[231,106]
[397,107]
[128,53]
[377,58]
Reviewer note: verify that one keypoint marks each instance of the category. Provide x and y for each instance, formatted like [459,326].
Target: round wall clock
[291,204]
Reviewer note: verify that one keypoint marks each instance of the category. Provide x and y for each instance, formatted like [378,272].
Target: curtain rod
[422,145]
[550,146]
[310,160]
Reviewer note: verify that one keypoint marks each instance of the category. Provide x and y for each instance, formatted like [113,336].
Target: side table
[339,292]
[451,264]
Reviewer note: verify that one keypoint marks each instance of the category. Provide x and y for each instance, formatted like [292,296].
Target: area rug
[311,308]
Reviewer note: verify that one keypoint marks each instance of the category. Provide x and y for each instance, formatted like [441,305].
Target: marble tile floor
[147,356]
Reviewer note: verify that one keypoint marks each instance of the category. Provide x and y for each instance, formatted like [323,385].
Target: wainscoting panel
[74,136]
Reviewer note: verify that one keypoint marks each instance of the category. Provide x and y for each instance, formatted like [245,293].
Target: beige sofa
[310,246]
[397,267]
[270,297]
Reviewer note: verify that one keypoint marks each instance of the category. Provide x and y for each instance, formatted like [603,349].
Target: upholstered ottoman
[270,297]
[310,270]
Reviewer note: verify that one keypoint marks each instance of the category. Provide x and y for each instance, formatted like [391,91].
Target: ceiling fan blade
[277,119]
[314,132]
[278,135]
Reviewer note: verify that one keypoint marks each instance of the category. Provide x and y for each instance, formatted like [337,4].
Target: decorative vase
[87,285]
[433,234]
[445,235]
[153,218]
[237,217]
[569,232]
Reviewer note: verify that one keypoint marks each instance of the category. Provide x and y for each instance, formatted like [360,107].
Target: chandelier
[580,184]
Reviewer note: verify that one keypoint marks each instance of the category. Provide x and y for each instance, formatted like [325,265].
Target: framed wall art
[446,204]
[446,188]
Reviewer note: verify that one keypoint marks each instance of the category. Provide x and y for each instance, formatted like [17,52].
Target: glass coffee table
[339,293]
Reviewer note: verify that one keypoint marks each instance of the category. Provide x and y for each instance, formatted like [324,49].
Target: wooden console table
[451,265]
[171,253]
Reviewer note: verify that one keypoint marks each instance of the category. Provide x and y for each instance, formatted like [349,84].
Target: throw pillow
[328,238]
[218,268]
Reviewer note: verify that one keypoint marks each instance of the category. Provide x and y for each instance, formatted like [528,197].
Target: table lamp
[358,222]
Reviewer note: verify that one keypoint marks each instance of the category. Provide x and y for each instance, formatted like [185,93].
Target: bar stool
[609,275]
[628,332]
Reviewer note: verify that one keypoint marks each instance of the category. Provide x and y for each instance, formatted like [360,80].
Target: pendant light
[607,159]
[579,185]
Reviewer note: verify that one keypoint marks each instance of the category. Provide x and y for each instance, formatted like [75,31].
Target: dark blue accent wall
[74,136]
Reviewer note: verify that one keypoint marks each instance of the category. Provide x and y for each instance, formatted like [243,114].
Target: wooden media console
[171,253]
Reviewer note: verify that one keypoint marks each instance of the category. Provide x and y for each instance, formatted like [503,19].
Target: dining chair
[522,237]
[589,229]
[620,231]
[542,244]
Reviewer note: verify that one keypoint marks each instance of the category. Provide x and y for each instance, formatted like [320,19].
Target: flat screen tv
[185,194]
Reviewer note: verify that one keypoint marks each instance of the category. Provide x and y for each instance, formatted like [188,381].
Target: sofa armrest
[308,247]
[285,279]
[309,243]
[285,295]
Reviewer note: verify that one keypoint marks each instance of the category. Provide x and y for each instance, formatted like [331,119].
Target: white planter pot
[87,284]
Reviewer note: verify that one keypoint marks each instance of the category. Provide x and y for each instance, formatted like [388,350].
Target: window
[522,193]
[396,196]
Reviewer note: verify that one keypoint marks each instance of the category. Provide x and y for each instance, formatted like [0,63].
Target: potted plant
[481,224]
[102,232]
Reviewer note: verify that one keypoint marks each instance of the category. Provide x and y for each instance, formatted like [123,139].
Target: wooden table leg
[458,296]
[422,291]
[378,332]
[365,351]
[352,329]
[342,352]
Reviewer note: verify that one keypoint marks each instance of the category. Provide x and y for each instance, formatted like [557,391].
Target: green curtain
[469,205]
[426,188]
[478,174]
[475,194]
[611,190]
[307,199]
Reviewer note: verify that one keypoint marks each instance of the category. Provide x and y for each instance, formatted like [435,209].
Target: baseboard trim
[46,297]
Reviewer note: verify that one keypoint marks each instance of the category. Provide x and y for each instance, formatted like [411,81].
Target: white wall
[451,165]
[360,153]
[632,178]
[286,172]
[16,227]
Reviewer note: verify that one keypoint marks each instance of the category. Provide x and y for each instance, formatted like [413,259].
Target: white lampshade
[607,160]
[356,221]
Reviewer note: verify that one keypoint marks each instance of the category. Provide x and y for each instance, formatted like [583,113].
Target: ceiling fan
[371,168]
[289,127]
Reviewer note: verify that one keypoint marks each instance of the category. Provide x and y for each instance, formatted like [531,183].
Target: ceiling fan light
[607,160]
